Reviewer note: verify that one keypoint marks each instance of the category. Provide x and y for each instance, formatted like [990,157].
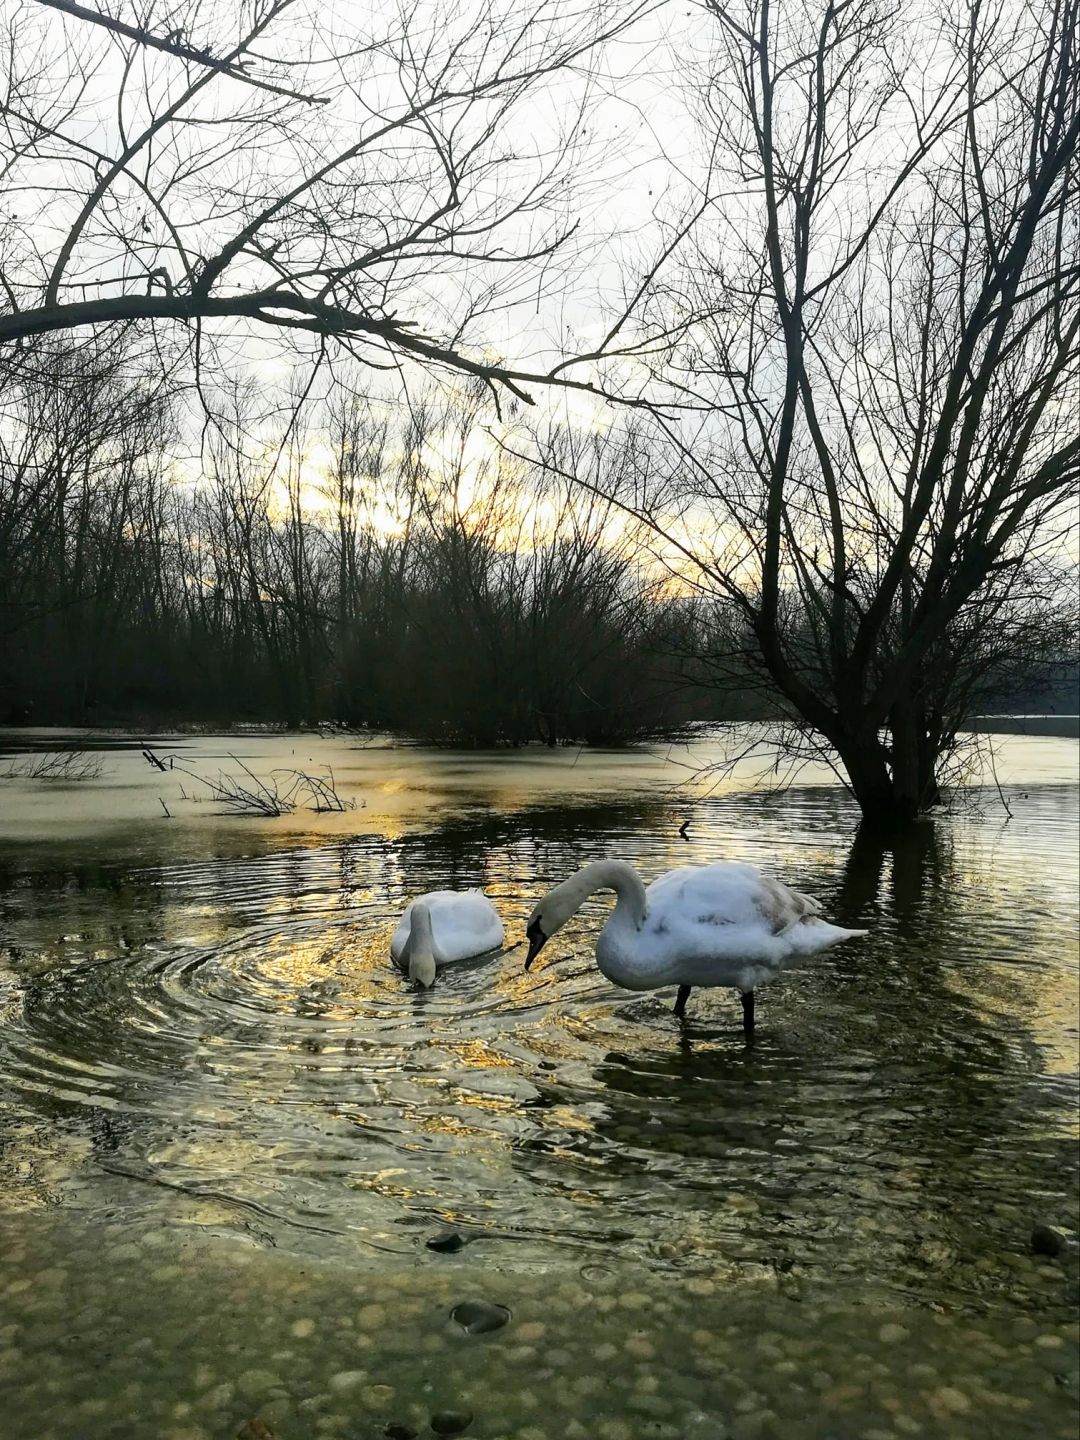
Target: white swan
[724,924]
[441,927]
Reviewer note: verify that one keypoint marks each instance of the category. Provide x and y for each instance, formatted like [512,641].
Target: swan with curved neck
[701,925]
[441,927]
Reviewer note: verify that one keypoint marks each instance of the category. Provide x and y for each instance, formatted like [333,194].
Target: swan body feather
[463,924]
[723,924]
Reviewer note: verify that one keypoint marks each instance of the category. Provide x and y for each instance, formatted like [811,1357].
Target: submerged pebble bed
[177,1336]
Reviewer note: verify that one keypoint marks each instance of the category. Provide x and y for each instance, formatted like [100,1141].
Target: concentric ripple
[224,1039]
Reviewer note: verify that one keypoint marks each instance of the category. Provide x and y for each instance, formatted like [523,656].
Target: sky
[631,145]
[636,164]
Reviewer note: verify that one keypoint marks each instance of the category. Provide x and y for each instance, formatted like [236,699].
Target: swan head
[534,933]
[550,915]
[567,899]
[422,969]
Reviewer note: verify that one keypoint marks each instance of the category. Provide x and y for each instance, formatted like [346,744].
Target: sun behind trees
[380,573]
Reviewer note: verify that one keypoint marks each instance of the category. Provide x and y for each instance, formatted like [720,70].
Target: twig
[172,44]
[997,783]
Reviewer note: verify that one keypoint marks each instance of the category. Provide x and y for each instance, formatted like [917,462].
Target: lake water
[228,1127]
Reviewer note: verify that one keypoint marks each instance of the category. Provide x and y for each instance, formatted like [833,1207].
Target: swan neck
[421,944]
[623,879]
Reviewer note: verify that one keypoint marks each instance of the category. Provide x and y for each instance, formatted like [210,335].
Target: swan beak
[537,940]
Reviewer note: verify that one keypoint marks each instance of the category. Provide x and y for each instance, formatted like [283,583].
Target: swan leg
[681,999]
[747,997]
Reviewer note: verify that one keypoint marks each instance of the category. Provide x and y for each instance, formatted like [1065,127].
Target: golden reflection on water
[246,1036]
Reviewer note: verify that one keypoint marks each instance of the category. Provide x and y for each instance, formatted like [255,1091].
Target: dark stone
[451,1422]
[447,1242]
[1045,1240]
[479,1317]
[396,1431]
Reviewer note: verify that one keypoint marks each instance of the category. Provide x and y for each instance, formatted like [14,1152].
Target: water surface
[210,1075]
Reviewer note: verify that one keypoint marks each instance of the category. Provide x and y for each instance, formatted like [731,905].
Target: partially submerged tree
[391,177]
[878,350]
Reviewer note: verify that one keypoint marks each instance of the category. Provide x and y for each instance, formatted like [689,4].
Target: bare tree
[879,361]
[388,176]
[82,485]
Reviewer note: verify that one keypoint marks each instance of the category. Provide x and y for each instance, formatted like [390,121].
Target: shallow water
[222,1113]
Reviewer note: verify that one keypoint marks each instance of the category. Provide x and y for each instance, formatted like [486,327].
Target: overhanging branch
[171,44]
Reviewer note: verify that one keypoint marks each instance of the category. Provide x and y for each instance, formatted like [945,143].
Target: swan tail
[837,934]
[817,935]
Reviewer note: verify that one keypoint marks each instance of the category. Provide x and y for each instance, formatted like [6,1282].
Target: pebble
[254,1429]
[479,1317]
[890,1334]
[446,1242]
[614,1430]
[749,1427]
[451,1422]
[1048,1240]
[1049,1342]
[253,1383]
[639,1347]
[347,1380]
[302,1328]
[648,1404]
[949,1398]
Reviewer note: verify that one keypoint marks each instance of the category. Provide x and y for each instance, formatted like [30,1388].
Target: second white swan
[441,927]
[725,924]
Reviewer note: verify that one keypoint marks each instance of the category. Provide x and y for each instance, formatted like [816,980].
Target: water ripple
[230,1030]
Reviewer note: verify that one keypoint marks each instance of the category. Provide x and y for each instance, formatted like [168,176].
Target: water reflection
[225,1035]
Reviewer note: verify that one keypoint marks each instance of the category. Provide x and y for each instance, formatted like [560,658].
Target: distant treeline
[394,572]
[402,582]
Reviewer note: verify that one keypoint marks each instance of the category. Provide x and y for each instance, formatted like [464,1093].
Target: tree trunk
[891,778]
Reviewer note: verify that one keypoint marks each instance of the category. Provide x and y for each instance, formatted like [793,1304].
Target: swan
[443,926]
[723,924]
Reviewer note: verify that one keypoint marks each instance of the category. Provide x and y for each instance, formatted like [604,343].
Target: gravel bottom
[177,1335]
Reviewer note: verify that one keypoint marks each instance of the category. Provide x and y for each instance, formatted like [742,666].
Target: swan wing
[732,912]
[463,923]
[730,893]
